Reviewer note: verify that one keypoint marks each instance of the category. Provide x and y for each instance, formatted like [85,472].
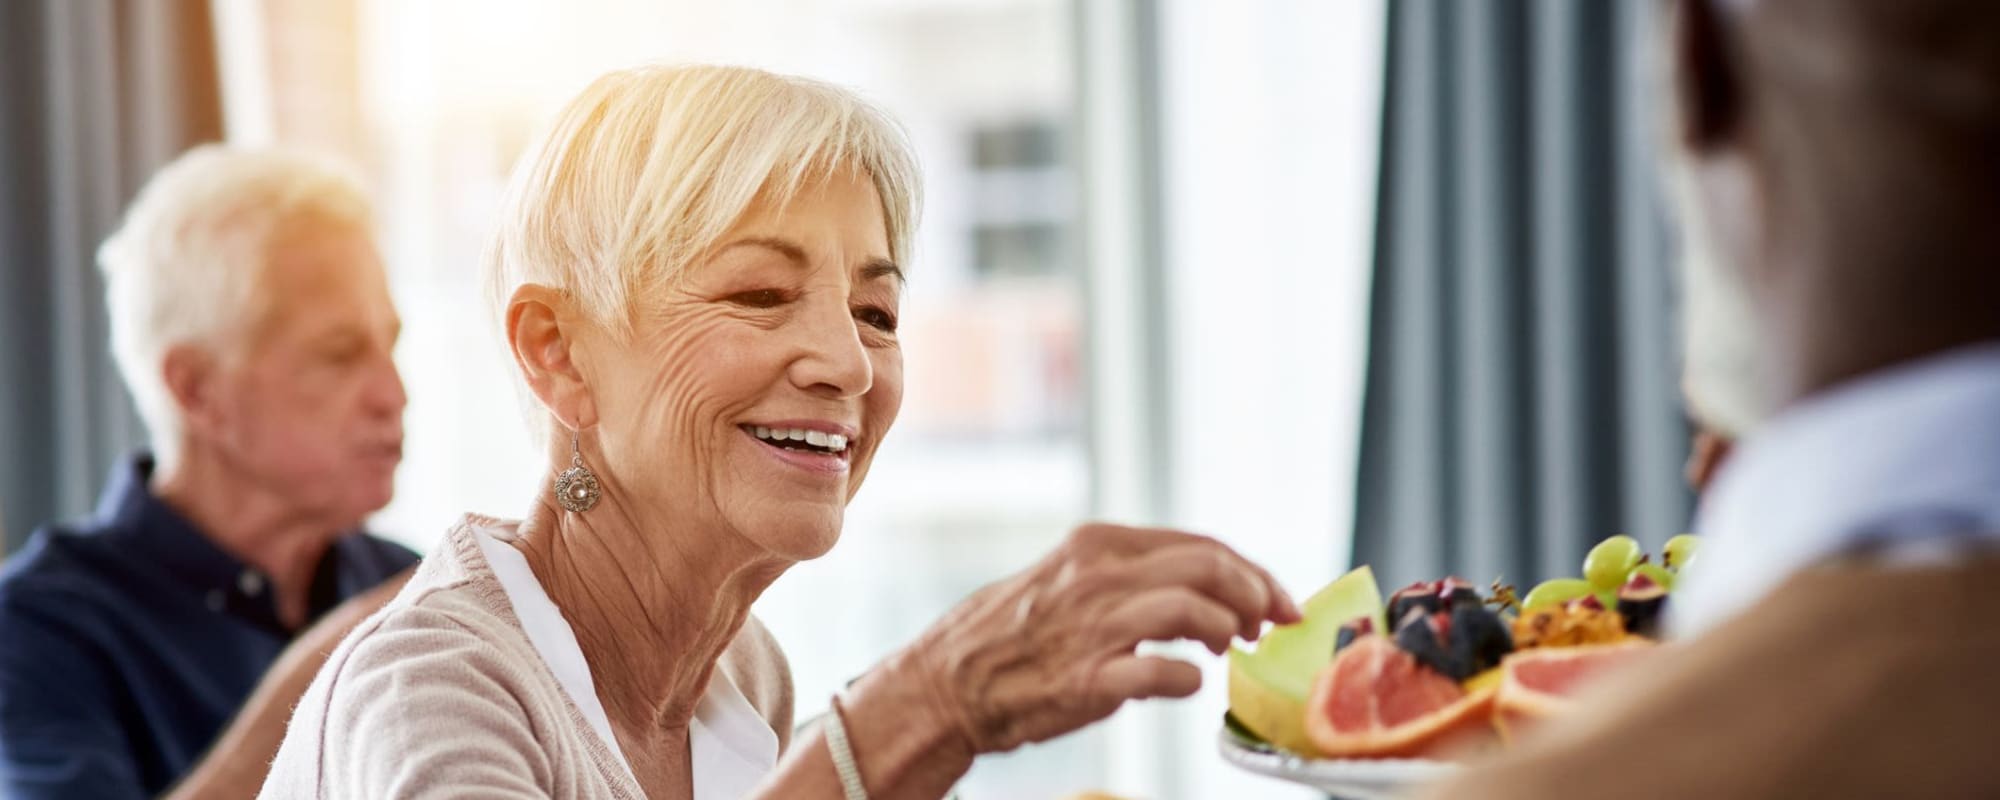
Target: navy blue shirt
[129,642]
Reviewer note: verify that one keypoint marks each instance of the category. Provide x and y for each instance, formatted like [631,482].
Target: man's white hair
[642,173]
[187,264]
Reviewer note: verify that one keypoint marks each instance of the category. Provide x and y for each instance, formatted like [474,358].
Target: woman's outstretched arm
[903,747]
[1038,655]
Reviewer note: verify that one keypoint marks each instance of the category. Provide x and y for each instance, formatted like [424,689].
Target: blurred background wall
[1151,284]
[94,96]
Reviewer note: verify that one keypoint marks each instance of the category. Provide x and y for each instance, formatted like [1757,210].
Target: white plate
[1344,778]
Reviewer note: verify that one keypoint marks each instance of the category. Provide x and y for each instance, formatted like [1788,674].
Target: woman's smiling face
[756,389]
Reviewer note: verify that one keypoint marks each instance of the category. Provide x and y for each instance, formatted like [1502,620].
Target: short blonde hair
[187,263]
[644,171]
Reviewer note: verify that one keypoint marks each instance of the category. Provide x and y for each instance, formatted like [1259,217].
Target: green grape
[1607,564]
[1659,574]
[1688,566]
[1555,592]
[1679,550]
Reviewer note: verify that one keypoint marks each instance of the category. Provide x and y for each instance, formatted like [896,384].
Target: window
[1020,201]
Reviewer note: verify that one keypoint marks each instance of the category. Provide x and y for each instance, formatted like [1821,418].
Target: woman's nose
[834,362]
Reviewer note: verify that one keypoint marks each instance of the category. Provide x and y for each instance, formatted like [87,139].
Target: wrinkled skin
[306,406]
[791,320]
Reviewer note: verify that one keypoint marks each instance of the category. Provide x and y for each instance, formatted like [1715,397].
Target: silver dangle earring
[576,487]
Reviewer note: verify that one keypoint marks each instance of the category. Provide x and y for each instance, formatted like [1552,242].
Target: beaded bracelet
[843,754]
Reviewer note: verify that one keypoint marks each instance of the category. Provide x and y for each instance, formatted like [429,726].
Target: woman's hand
[1038,655]
[1052,649]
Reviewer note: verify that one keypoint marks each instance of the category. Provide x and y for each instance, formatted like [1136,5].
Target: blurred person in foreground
[1838,163]
[163,642]
[699,271]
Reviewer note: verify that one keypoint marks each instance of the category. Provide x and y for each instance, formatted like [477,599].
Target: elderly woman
[700,272]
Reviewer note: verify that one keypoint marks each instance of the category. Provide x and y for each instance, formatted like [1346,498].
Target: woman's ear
[543,327]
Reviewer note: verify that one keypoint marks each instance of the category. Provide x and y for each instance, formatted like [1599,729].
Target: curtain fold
[97,94]
[1521,397]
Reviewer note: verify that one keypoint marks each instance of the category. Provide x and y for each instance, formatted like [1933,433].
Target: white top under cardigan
[471,683]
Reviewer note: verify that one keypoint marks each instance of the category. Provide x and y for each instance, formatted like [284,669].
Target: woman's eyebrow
[784,247]
[872,269]
[881,268]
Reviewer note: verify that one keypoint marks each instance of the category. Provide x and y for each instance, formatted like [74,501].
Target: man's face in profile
[312,403]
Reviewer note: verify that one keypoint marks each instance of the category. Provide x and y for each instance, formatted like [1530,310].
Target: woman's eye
[761,298]
[880,319]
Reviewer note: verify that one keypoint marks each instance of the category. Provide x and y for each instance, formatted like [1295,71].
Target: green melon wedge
[1268,686]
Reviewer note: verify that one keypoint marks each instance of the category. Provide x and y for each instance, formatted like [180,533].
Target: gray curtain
[1521,389]
[96,95]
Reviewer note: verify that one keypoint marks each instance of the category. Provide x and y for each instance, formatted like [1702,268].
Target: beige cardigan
[441,694]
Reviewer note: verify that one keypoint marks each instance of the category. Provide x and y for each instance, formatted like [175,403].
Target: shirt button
[215,599]
[250,582]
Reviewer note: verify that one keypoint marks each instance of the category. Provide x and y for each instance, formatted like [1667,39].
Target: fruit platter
[1366,697]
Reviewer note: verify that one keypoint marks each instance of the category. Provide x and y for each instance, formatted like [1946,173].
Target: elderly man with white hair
[252,321]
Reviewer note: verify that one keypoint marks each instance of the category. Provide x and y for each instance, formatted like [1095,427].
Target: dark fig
[1641,601]
[1351,630]
[1479,640]
[1427,637]
[1422,594]
[1433,596]
[1587,602]
[1455,593]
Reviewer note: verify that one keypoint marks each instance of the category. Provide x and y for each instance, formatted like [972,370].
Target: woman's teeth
[795,437]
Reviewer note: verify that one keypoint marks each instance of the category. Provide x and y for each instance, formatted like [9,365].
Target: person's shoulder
[61,577]
[54,555]
[60,619]
[377,553]
[756,642]
[442,631]
[452,605]
[1854,679]
[444,605]
[756,653]
[440,680]
[759,668]
[439,646]
[453,582]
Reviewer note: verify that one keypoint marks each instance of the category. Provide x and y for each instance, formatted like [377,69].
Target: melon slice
[1269,686]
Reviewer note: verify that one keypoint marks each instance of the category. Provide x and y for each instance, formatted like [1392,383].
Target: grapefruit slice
[1376,701]
[1541,683]
[1269,686]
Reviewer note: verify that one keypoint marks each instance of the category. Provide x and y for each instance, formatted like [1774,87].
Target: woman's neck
[653,609]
